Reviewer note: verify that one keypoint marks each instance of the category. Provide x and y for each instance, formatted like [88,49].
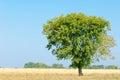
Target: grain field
[58,74]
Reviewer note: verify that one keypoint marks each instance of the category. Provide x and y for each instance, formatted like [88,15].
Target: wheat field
[58,74]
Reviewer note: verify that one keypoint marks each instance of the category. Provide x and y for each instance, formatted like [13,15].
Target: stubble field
[58,74]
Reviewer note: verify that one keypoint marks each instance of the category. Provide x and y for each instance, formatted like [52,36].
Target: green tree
[35,65]
[57,66]
[41,65]
[96,67]
[29,65]
[111,67]
[79,38]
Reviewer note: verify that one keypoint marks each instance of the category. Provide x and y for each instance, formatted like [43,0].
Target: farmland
[58,74]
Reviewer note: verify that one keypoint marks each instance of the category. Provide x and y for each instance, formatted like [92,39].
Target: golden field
[58,74]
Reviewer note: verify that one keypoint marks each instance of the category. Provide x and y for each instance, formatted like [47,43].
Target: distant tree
[111,67]
[35,65]
[57,66]
[29,65]
[96,67]
[79,38]
[41,65]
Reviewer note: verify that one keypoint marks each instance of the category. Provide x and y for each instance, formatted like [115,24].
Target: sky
[21,21]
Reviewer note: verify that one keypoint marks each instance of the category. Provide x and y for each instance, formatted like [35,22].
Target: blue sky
[21,38]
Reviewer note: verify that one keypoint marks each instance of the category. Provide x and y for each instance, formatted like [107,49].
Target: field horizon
[58,74]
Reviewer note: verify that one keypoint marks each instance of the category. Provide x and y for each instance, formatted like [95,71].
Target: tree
[95,67]
[35,65]
[79,38]
[29,65]
[57,66]
[111,67]
[41,65]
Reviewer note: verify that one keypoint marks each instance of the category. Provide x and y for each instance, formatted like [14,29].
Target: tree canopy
[78,37]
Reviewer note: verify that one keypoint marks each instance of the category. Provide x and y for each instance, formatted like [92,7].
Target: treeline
[102,67]
[42,65]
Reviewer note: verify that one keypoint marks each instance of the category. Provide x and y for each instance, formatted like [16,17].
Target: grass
[58,74]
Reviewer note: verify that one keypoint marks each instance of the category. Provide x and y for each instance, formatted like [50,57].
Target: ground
[58,74]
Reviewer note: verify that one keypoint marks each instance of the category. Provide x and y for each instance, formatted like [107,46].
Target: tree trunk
[80,72]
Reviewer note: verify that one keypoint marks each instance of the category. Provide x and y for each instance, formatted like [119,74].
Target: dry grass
[58,74]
